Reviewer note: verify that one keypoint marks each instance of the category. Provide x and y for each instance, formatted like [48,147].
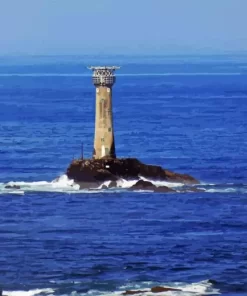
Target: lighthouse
[103,80]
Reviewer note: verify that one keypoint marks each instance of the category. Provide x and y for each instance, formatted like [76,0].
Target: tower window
[102,140]
[109,129]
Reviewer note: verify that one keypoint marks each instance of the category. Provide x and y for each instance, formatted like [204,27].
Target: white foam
[194,289]
[65,185]
[28,293]
[17,192]
[106,183]
[222,190]
[125,184]
[60,184]
[122,183]
[159,183]
[64,182]
[202,288]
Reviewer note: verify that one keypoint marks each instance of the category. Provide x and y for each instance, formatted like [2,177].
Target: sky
[69,27]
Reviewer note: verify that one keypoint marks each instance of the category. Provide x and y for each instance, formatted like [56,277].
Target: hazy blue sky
[122,26]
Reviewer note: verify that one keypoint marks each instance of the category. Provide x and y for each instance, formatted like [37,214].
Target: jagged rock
[12,187]
[111,169]
[146,185]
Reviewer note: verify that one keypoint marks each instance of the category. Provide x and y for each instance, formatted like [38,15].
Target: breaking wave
[61,184]
[194,289]
[125,184]
[64,185]
[29,292]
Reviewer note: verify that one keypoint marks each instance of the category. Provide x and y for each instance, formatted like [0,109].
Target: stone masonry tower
[103,79]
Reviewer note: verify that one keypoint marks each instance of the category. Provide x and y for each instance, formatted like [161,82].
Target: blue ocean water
[186,113]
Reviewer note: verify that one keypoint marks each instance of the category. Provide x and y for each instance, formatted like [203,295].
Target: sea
[185,113]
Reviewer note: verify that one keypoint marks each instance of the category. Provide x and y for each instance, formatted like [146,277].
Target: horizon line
[243,53]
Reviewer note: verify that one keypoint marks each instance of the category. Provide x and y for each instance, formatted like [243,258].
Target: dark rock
[141,184]
[157,289]
[147,185]
[104,187]
[12,187]
[113,184]
[163,189]
[89,185]
[111,169]
[163,289]
[213,282]
[131,292]
[103,174]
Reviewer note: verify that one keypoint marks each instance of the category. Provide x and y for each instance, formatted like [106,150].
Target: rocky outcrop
[157,289]
[96,171]
[146,185]
[134,292]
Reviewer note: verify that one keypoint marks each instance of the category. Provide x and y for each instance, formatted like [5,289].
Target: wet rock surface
[147,185]
[12,187]
[113,184]
[157,289]
[132,292]
[112,169]
[163,289]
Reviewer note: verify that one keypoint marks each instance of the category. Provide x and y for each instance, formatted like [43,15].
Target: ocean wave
[46,291]
[63,184]
[14,192]
[225,190]
[201,288]
[196,289]
[159,183]
[60,184]
[125,184]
